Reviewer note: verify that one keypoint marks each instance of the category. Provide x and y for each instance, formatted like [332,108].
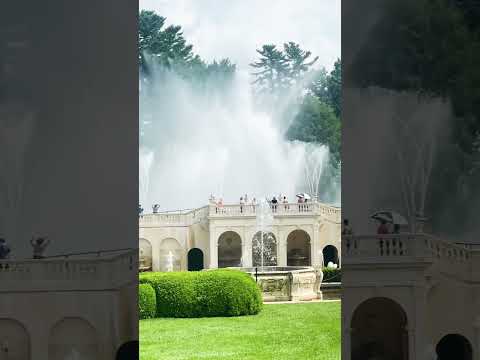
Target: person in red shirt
[382,229]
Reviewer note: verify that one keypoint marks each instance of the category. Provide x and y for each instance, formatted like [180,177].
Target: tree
[164,46]
[273,70]
[279,71]
[316,123]
[297,61]
[328,87]
[433,50]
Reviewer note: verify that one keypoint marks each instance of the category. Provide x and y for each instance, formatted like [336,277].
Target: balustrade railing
[174,218]
[59,273]
[277,209]
[213,210]
[406,248]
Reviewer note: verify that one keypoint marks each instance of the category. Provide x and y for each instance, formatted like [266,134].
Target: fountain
[279,283]
[264,218]
[16,128]
[170,258]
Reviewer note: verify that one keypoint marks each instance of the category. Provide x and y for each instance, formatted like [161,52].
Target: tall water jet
[264,219]
[145,165]
[16,127]
[206,142]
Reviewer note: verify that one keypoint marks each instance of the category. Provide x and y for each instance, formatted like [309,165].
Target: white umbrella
[304,195]
[390,217]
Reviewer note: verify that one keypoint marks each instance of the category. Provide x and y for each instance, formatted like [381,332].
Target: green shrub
[332,275]
[147,303]
[205,293]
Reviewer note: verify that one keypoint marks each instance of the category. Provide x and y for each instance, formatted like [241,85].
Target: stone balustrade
[69,273]
[449,258]
[175,218]
[301,209]
[190,217]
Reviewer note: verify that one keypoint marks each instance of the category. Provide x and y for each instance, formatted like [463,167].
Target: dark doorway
[373,337]
[128,351]
[454,347]
[330,254]
[195,260]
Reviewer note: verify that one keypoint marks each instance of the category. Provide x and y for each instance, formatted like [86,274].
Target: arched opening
[195,259]
[14,340]
[373,337]
[269,249]
[298,249]
[330,254]
[454,347]
[171,255]
[229,249]
[145,257]
[73,338]
[128,351]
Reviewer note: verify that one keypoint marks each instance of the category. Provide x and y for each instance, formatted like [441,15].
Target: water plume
[198,142]
[16,127]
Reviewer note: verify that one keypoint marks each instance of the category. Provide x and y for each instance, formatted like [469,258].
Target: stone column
[282,247]
[155,255]
[247,248]
[411,342]
[213,249]
[346,342]
[316,247]
[476,338]
[416,320]
[39,342]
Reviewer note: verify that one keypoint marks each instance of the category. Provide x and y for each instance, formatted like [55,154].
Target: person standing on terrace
[254,204]
[346,228]
[274,204]
[219,207]
[4,249]
[39,245]
[383,228]
[242,203]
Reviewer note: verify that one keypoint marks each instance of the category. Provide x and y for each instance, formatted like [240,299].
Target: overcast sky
[235,28]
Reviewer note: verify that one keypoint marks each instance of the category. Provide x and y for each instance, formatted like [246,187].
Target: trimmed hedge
[147,301]
[204,293]
[332,275]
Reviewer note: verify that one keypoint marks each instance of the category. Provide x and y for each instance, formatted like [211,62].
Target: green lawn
[307,331]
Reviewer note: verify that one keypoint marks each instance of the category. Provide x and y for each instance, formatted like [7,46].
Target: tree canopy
[433,50]
[167,49]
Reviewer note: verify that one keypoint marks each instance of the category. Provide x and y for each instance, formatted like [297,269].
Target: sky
[236,28]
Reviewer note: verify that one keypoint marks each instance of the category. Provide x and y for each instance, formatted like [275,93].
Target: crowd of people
[38,244]
[245,202]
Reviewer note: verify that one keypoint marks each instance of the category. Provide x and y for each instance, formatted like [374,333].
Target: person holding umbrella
[382,228]
[389,217]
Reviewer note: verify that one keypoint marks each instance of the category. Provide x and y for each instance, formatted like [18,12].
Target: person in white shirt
[242,203]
